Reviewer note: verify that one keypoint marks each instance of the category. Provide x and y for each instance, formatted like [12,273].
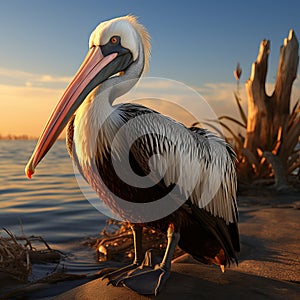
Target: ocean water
[50,205]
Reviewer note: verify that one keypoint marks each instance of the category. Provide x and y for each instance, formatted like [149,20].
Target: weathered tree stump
[269,124]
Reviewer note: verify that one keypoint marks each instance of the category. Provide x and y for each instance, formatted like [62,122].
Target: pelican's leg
[137,232]
[151,281]
[114,276]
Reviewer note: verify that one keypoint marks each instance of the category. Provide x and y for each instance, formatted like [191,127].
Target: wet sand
[269,262]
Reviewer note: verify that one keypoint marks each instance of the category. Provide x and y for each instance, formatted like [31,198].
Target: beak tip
[29,172]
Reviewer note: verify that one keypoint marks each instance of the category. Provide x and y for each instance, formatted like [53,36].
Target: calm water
[49,205]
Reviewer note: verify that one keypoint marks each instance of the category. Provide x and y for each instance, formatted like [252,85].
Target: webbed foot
[146,279]
[148,282]
[150,276]
[114,274]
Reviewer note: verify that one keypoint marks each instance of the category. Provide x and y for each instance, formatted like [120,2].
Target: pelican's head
[123,33]
[114,46]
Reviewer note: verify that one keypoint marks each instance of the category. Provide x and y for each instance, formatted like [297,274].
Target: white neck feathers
[90,127]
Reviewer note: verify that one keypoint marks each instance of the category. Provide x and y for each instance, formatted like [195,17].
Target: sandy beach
[269,262]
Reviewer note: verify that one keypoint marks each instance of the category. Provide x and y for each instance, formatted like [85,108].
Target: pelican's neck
[89,120]
[97,120]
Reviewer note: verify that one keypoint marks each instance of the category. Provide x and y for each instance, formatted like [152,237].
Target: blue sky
[194,42]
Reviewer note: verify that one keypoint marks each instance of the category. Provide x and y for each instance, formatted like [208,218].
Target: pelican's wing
[219,180]
[198,162]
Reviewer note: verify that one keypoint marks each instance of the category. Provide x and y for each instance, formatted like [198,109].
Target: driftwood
[271,126]
[266,114]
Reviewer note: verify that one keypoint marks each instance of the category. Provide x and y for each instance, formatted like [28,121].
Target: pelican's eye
[114,40]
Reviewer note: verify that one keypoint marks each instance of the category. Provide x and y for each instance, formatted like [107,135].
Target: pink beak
[68,104]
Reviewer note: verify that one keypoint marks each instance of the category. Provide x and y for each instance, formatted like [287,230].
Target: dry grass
[14,257]
[283,145]
[18,253]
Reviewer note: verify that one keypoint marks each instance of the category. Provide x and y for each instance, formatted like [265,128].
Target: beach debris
[116,242]
[18,253]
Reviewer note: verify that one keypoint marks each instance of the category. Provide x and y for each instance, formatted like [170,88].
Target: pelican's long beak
[95,69]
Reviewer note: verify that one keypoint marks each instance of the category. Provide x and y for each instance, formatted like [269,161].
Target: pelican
[187,167]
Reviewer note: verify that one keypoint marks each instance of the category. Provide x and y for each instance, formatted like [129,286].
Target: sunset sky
[194,42]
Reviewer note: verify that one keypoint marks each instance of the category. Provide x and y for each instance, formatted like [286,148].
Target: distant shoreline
[12,137]
[17,137]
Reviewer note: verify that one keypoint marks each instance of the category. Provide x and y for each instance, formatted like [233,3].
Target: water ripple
[51,204]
